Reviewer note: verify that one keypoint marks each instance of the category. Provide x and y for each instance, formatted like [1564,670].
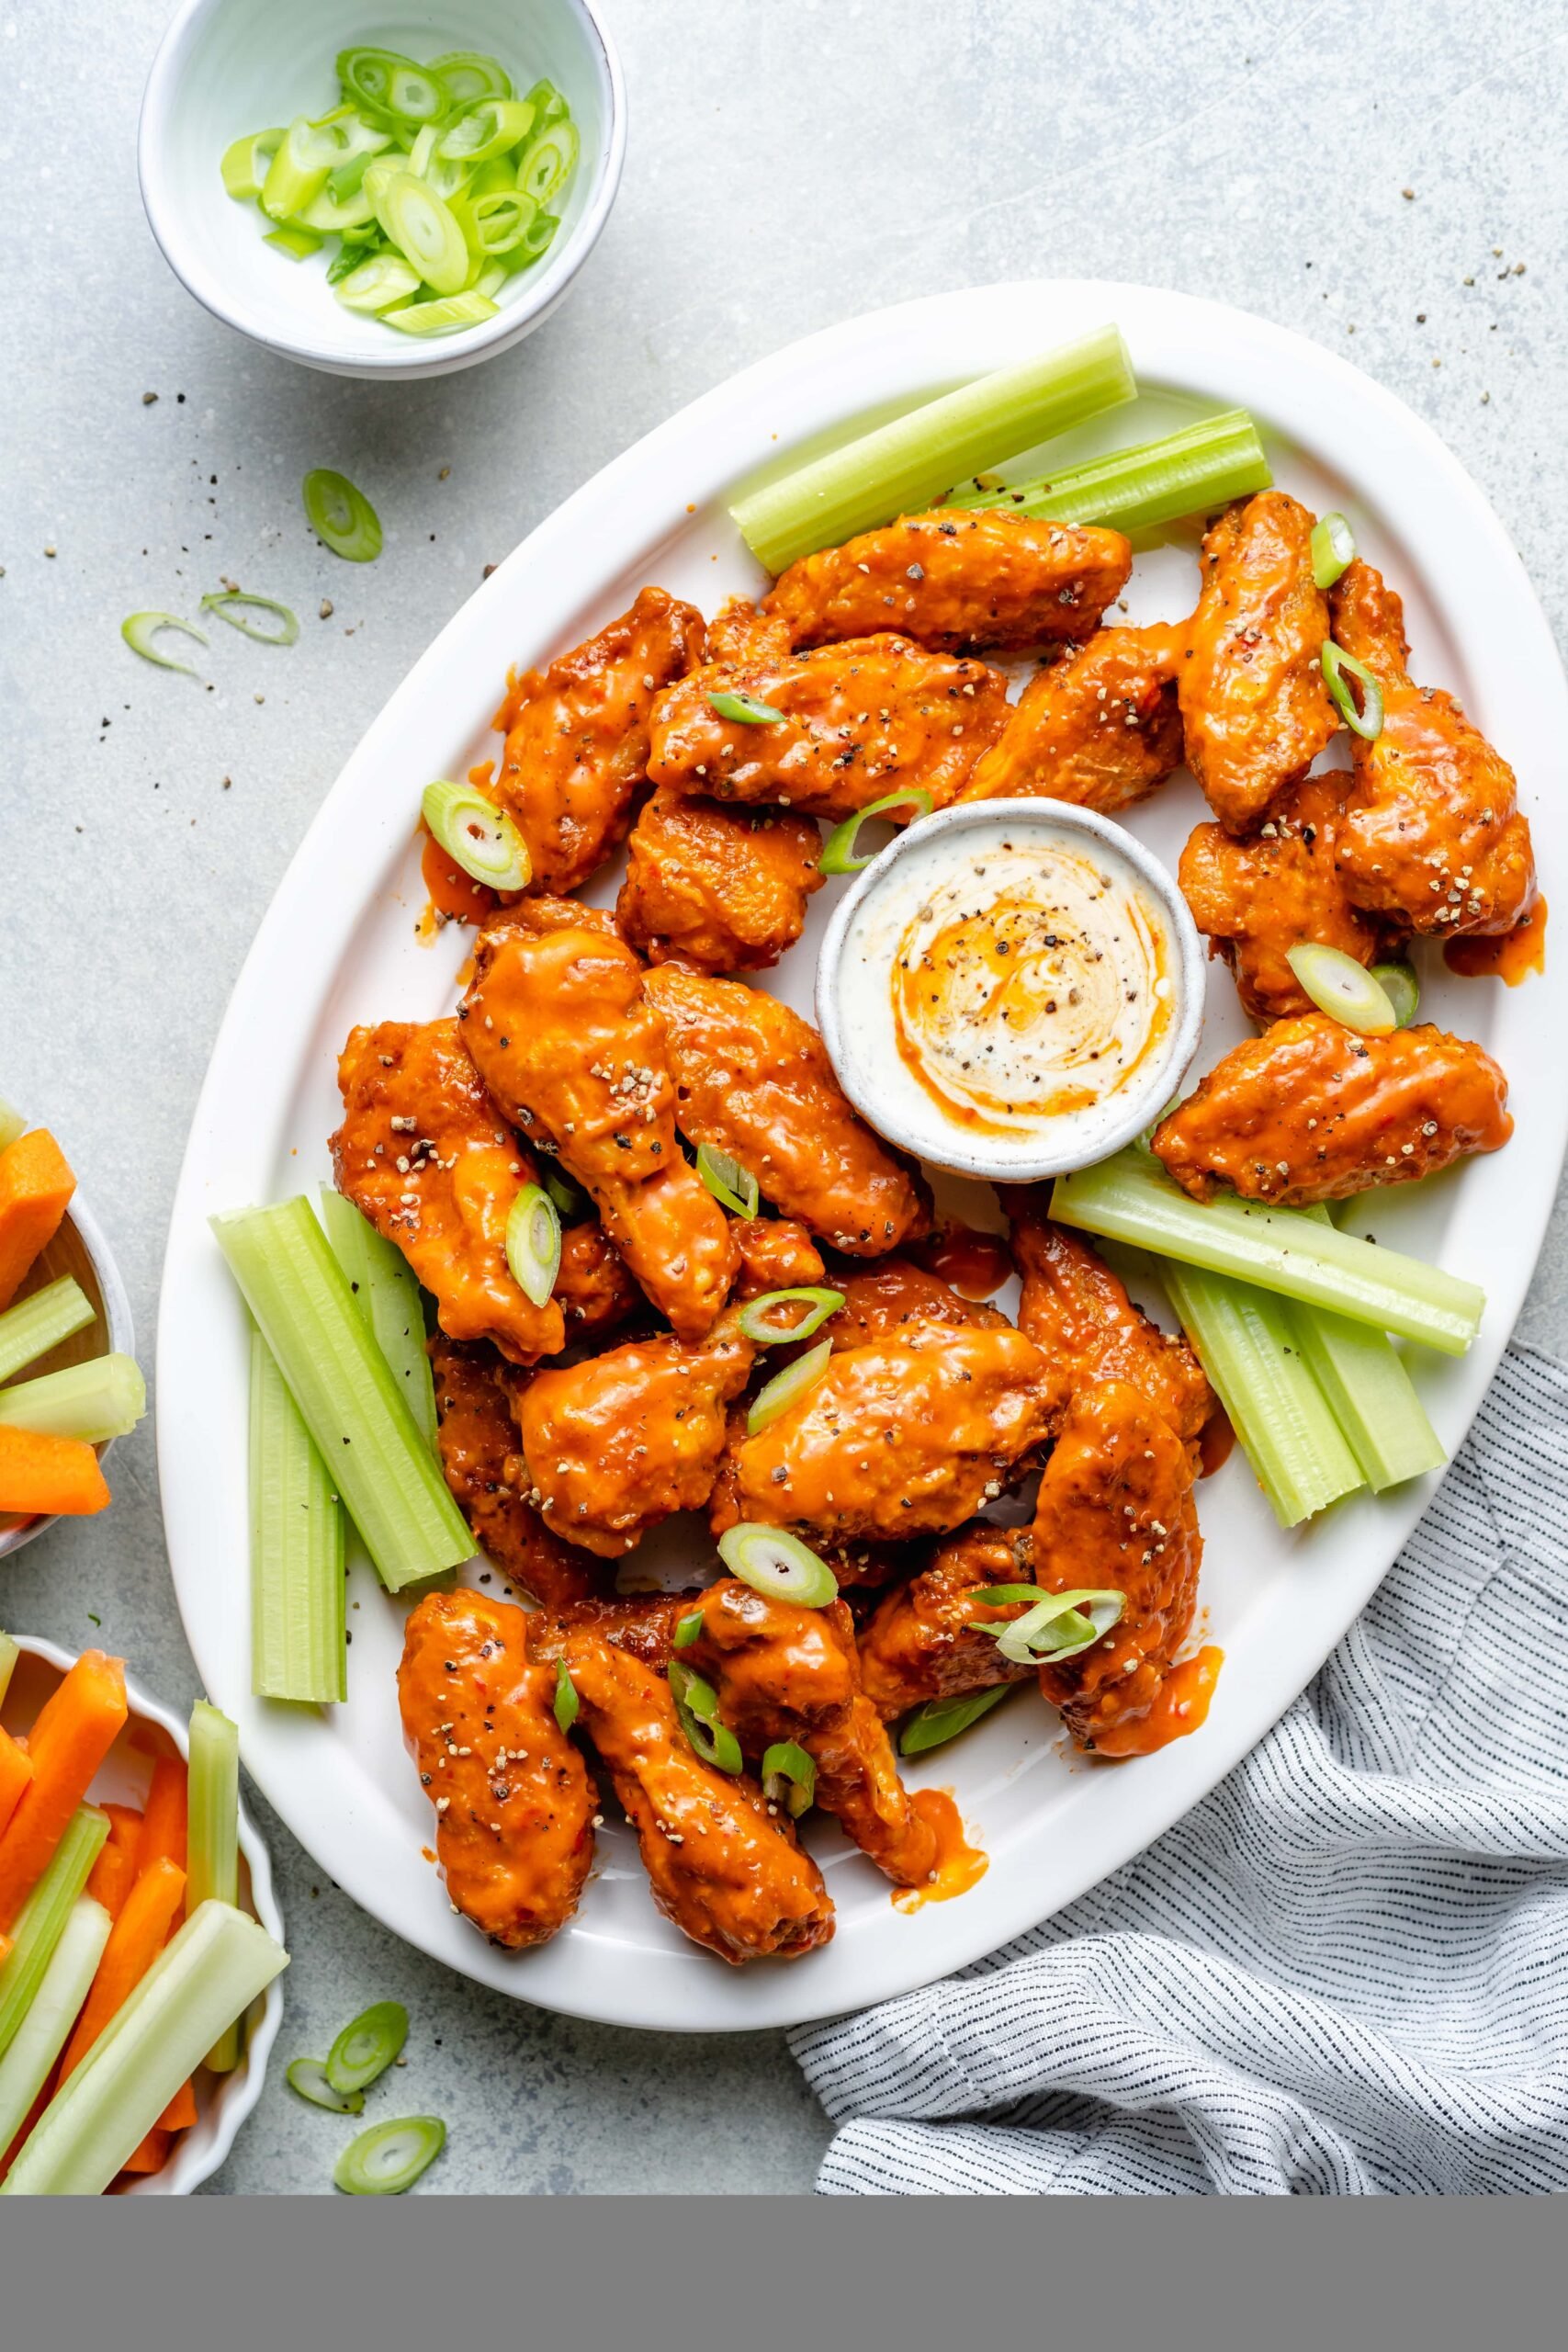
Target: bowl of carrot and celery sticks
[141,1946]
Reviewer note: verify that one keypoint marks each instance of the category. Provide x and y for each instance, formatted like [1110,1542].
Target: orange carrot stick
[163,1821]
[113,1876]
[36,1185]
[152,2155]
[74,1733]
[40,1472]
[180,2113]
[16,1771]
[135,1940]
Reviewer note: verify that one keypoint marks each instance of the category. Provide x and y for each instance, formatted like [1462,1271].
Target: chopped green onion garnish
[390,87]
[486,128]
[1366,721]
[754,1318]
[446,317]
[789,1777]
[688,1631]
[746,710]
[91,1402]
[424,229]
[734,1187]
[537,237]
[298,244]
[1058,1625]
[547,103]
[940,1719]
[532,1243]
[787,1388]
[34,1324]
[696,1707]
[1403,989]
[244,164]
[212,1867]
[41,1920]
[342,516]
[1332,548]
[477,835]
[340,216]
[137,630]
[376,285]
[468,74]
[778,1564]
[838,851]
[227,603]
[567,1703]
[389,2157]
[501,220]
[1005,1596]
[308,2078]
[1340,987]
[299,1648]
[365,2048]
[548,162]
[1192,472]
[298,172]
[569,1199]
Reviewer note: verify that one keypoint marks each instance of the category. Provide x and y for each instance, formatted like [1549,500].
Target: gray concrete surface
[1389,180]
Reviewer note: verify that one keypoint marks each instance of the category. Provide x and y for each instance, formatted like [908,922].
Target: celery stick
[901,467]
[42,2037]
[1191,473]
[387,1290]
[41,1920]
[346,1393]
[12,1124]
[35,1325]
[205,1977]
[296,1536]
[90,1401]
[1372,1397]
[1130,1198]
[1246,1341]
[9,1654]
[212,1864]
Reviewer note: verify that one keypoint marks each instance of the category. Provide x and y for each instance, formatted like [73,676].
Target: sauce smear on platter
[1510,956]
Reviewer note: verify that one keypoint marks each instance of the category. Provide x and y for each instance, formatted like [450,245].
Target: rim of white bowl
[121,1332]
[191,2162]
[1005,1165]
[445,353]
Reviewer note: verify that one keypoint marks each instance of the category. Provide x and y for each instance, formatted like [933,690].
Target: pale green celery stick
[1130,1198]
[90,1401]
[35,1325]
[346,1393]
[9,1654]
[205,1978]
[1192,472]
[297,1639]
[212,1864]
[41,2036]
[387,1291]
[40,1922]
[12,1123]
[1371,1395]
[901,467]
[1246,1341]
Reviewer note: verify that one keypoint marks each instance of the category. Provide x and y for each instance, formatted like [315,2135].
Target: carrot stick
[36,1185]
[113,1876]
[163,1820]
[180,2113]
[125,1828]
[152,2155]
[16,1771]
[135,1940]
[74,1733]
[38,1473]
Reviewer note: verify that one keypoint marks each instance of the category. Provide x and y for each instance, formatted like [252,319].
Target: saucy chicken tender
[896,1299]
[577,737]
[873,716]
[722,1866]
[722,888]
[1432,835]
[952,579]
[738,631]
[752,1079]
[1257,898]
[513,1802]
[1311,1112]
[558,1022]
[426,1155]
[1254,709]
[931,1638]
[1100,728]
[776,1254]
[594,1289]
[482,1461]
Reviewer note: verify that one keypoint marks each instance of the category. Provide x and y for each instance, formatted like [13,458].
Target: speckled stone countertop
[1389,181]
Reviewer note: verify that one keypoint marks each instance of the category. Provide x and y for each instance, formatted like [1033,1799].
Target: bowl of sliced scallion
[373,201]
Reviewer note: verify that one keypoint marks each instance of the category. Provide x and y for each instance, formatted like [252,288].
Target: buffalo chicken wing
[1099,727]
[725,890]
[931,1638]
[482,1461]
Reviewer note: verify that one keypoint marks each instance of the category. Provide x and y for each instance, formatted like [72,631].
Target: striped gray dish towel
[1346,1973]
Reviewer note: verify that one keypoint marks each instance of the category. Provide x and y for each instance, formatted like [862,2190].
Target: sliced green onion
[205,1977]
[342,516]
[571,1202]
[532,1243]
[91,1402]
[696,1708]
[297,243]
[376,285]
[501,218]
[352,255]
[356,136]
[787,1388]
[379,174]
[389,2157]
[41,1920]
[1005,1596]
[1372,1397]
[940,1719]
[308,2078]
[1192,472]
[746,710]
[1343,989]
[41,2036]
[367,2047]
[449,179]
[546,102]
[1332,548]
[1403,989]
[445,317]
[35,1325]
[468,74]
[212,1867]
[567,1703]
[298,172]
[244,164]
[299,1647]
[347,178]
[1366,723]
[1130,1198]
[491,278]
[753,1317]
[424,230]
[1059,1626]
[778,1564]
[488,127]
[138,629]
[12,1124]
[335,216]
[537,237]
[477,835]
[839,849]
[387,1292]
[789,1778]
[734,1187]
[390,87]
[549,161]
[688,1631]
[230,604]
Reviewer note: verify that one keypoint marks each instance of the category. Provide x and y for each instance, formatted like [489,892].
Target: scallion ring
[489,127]
[536,238]
[477,835]
[746,710]
[734,1187]
[753,1317]
[787,1388]
[298,172]
[468,75]
[502,220]
[385,83]
[839,849]
[1332,548]
[308,2078]
[547,103]
[342,516]
[549,161]
[789,1778]
[298,244]
[1003,1596]
[445,317]
[687,1631]
[367,2047]
[222,605]
[1059,1626]
[569,1201]
[375,285]
[567,1703]
[1338,668]
[1403,989]
[532,1243]
[696,1708]
[138,629]
[1340,987]
[778,1564]
[244,164]
[426,229]
[940,1719]
[389,2157]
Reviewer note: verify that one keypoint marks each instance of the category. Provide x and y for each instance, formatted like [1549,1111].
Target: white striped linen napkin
[1346,1973]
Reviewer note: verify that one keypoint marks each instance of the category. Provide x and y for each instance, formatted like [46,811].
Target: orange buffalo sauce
[959,1865]
[1216,1442]
[973,1263]
[1182,1706]
[1511,955]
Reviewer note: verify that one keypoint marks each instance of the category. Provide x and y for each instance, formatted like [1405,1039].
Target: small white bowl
[226,67]
[854,1053]
[223,2101]
[78,1248]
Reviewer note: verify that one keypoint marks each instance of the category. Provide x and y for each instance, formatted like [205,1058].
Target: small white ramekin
[80,1249]
[226,67]
[223,2101]
[996,1161]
